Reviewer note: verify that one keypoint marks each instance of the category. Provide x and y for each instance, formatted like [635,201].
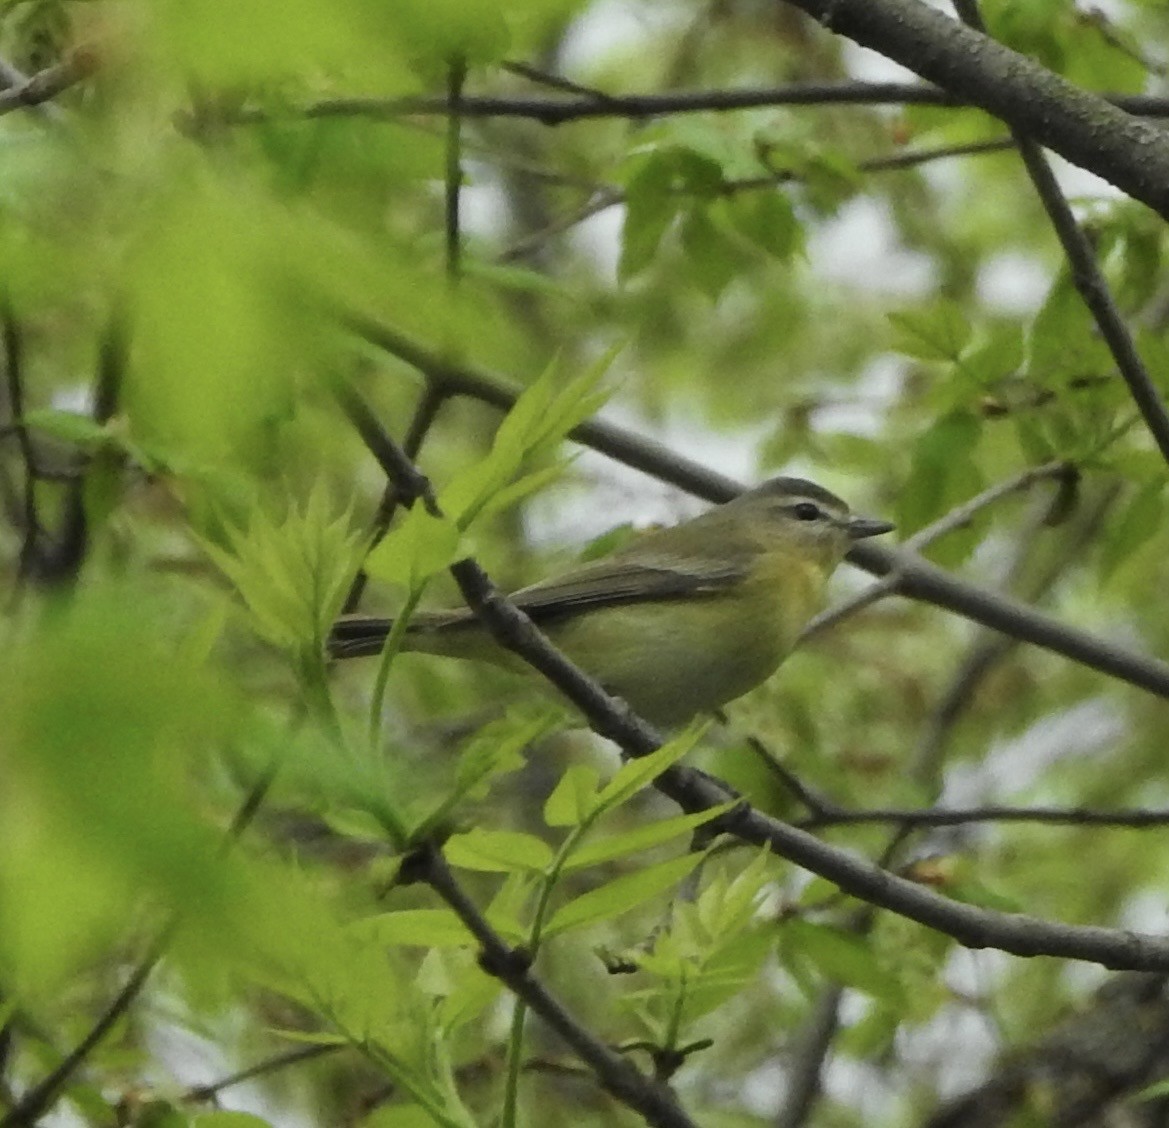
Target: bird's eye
[807,511]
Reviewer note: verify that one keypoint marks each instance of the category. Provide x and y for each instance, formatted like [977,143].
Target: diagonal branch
[22,92]
[1131,154]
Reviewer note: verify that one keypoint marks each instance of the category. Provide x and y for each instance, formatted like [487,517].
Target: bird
[679,621]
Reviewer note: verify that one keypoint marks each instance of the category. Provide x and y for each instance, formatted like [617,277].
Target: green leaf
[621,894]
[437,31]
[1151,1092]
[979,893]
[640,772]
[729,907]
[768,220]
[712,255]
[424,928]
[573,798]
[938,332]
[496,750]
[536,424]
[69,426]
[651,206]
[291,571]
[225,1119]
[842,956]
[941,470]
[1140,520]
[641,838]
[498,851]
[416,549]
[398,1116]
[1063,343]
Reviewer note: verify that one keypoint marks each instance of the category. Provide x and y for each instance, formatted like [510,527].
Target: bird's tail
[437,632]
[358,637]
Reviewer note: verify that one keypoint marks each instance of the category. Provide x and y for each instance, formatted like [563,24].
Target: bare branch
[638,107]
[23,92]
[993,813]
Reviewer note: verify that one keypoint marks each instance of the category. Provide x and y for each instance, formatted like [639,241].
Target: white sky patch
[1076,183]
[613,26]
[598,239]
[483,206]
[868,66]
[858,248]
[1012,283]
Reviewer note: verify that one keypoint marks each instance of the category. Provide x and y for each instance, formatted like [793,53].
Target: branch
[811,1048]
[917,578]
[268,1065]
[424,416]
[638,107]
[958,518]
[605,197]
[961,816]
[1083,128]
[46,84]
[13,358]
[617,1075]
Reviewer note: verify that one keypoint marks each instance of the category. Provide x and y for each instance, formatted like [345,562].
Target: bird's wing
[615,581]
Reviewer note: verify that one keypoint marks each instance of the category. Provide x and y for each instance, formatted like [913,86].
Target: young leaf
[420,546]
[641,838]
[840,955]
[498,851]
[573,798]
[425,928]
[642,771]
[496,750]
[621,894]
[937,333]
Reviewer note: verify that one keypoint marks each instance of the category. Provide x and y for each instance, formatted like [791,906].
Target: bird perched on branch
[680,620]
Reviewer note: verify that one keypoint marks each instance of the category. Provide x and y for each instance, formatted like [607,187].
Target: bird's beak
[861,527]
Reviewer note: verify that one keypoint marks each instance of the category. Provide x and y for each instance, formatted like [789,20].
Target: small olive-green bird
[680,620]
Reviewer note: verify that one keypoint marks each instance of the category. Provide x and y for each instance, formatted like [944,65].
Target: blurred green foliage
[192,234]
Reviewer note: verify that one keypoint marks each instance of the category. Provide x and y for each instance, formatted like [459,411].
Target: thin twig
[453,178]
[957,518]
[1086,274]
[812,1043]
[819,805]
[603,198]
[991,813]
[48,83]
[638,107]
[14,375]
[268,1065]
[553,81]
[424,417]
